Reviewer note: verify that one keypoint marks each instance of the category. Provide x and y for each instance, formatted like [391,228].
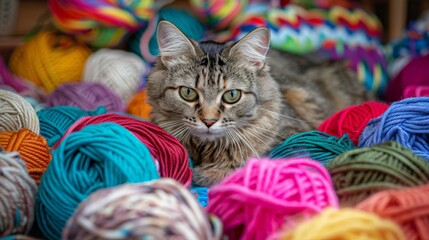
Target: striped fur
[269,110]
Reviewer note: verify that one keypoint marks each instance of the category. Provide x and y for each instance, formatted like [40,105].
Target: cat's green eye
[231,96]
[188,94]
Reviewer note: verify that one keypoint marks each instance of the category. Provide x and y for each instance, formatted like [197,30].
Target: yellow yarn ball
[345,224]
[49,60]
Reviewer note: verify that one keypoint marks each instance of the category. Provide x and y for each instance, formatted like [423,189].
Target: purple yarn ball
[86,96]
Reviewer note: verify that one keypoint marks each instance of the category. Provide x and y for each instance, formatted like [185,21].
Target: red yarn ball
[164,147]
[352,120]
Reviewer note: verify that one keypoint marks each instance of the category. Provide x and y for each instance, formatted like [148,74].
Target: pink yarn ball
[86,96]
[258,199]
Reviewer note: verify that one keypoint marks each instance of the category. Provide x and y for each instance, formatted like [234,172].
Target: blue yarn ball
[55,121]
[317,145]
[96,157]
[202,195]
[406,122]
[187,23]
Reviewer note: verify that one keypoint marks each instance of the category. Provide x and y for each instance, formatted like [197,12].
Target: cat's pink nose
[209,122]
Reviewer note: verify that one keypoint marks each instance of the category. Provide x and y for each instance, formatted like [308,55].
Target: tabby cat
[227,102]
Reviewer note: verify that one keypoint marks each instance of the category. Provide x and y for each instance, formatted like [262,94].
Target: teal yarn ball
[98,156]
[144,43]
[317,145]
[55,121]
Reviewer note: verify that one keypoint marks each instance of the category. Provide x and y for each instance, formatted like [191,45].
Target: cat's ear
[174,46]
[253,47]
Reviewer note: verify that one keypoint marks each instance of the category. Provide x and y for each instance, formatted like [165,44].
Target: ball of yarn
[317,145]
[33,149]
[55,121]
[352,120]
[361,172]
[49,60]
[407,207]
[86,96]
[201,193]
[19,237]
[119,70]
[406,122]
[17,195]
[164,148]
[414,73]
[98,156]
[139,106]
[16,113]
[161,209]
[218,14]
[254,201]
[416,91]
[145,44]
[38,106]
[345,224]
[100,23]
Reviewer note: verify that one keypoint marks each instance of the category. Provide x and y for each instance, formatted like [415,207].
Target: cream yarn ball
[17,113]
[119,70]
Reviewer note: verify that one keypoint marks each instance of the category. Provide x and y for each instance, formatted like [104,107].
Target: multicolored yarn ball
[86,96]
[55,121]
[145,44]
[218,14]
[139,106]
[161,209]
[352,120]
[98,156]
[255,201]
[416,91]
[119,70]
[359,173]
[201,194]
[408,207]
[17,113]
[17,195]
[316,145]
[163,147]
[367,61]
[345,224]
[415,73]
[49,60]
[33,149]
[406,122]
[100,23]
[298,30]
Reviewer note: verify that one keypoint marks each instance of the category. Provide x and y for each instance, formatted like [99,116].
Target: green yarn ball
[361,172]
[317,145]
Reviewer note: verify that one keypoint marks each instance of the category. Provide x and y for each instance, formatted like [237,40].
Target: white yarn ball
[17,113]
[119,70]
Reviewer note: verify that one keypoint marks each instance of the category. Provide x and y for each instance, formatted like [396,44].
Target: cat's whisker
[246,141]
[182,133]
[253,133]
[284,116]
[169,123]
[176,131]
[269,131]
[234,142]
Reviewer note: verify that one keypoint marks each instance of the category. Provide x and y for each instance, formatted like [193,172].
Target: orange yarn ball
[48,60]
[138,106]
[32,148]
[408,207]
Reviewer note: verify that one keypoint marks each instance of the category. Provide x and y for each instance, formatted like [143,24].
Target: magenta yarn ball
[415,73]
[256,201]
[86,96]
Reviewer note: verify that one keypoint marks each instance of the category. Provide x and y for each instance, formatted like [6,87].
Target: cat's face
[209,90]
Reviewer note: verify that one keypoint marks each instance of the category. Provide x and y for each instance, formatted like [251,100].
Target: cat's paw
[208,176]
